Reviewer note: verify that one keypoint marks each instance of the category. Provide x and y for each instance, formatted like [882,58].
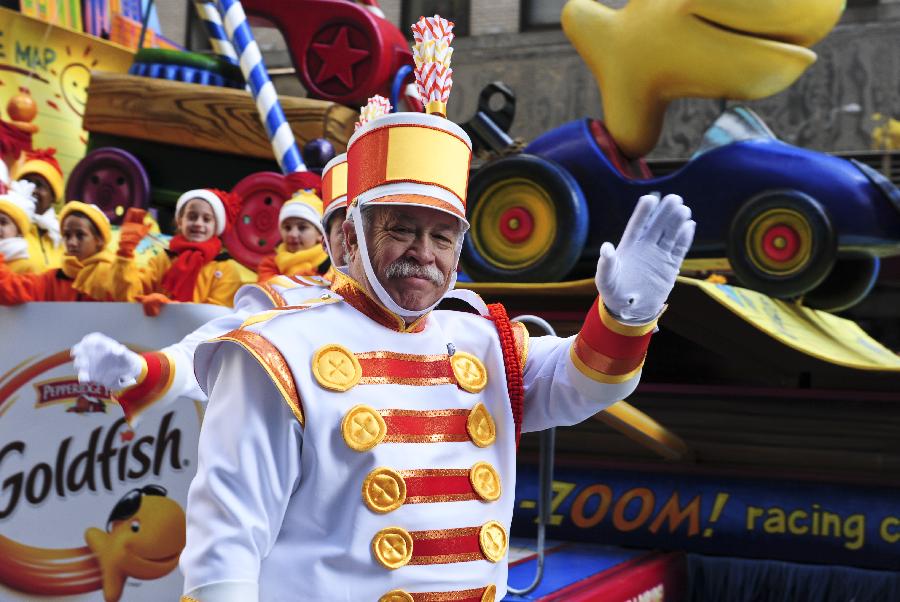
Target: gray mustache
[408,268]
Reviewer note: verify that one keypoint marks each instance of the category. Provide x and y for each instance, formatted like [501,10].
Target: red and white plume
[378,106]
[432,52]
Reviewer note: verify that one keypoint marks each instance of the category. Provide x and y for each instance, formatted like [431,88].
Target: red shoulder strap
[511,363]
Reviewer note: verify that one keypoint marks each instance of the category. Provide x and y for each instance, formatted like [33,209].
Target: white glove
[105,361]
[636,278]
[14,248]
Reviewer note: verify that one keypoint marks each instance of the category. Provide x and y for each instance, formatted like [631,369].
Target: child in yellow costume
[16,213]
[41,168]
[86,267]
[194,268]
[301,252]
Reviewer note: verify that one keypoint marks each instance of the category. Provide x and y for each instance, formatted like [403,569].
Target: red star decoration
[338,58]
[126,436]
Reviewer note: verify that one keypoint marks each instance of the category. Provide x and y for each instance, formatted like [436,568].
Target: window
[541,14]
[452,10]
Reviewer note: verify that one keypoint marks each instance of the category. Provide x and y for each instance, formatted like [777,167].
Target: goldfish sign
[90,509]
[743,515]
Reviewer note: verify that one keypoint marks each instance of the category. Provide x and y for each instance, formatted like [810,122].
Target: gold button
[398,595]
[363,428]
[393,547]
[336,368]
[490,592]
[384,490]
[485,481]
[480,426]
[469,371]
[492,539]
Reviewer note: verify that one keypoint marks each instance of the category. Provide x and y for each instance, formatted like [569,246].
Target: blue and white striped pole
[254,69]
[218,39]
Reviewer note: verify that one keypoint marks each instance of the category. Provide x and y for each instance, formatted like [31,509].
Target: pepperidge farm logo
[85,397]
[654,594]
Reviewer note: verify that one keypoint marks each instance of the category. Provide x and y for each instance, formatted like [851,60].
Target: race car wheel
[850,281]
[112,179]
[529,222]
[781,243]
[256,233]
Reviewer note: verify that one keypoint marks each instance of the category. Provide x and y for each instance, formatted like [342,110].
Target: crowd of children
[70,255]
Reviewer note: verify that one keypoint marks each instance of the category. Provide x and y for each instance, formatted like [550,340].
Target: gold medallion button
[469,371]
[363,428]
[480,426]
[490,592]
[398,595]
[336,368]
[492,539]
[393,547]
[384,490]
[485,481]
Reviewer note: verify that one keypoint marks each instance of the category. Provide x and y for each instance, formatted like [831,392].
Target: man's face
[79,238]
[8,228]
[335,230]
[196,222]
[43,192]
[298,234]
[412,250]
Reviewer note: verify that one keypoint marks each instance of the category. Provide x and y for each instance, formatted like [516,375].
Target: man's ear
[350,243]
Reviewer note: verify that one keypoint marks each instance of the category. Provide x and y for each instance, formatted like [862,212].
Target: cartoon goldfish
[653,51]
[143,539]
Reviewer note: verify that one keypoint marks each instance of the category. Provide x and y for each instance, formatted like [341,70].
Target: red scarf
[190,257]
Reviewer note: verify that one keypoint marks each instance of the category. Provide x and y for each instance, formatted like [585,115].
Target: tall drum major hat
[334,187]
[412,159]
[334,198]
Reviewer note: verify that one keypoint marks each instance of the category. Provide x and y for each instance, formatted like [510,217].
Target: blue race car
[791,222]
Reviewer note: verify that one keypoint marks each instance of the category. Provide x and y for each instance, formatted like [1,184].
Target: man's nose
[422,251]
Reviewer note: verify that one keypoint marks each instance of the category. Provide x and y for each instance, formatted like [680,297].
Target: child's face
[43,192]
[298,234]
[78,235]
[196,222]
[8,228]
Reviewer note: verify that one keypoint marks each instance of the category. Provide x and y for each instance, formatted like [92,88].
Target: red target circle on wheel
[255,232]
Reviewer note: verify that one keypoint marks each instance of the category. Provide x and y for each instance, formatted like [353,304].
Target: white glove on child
[636,278]
[105,361]
[14,248]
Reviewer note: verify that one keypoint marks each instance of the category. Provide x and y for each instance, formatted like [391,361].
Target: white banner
[89,508]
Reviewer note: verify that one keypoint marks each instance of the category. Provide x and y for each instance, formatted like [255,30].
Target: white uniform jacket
[169,372]
[346,457]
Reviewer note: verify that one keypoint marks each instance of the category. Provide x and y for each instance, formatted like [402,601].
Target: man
[363,447]
[157,378]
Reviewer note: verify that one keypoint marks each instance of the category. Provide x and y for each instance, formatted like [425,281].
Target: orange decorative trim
[272,293]
[386,367]
[481,594]
[601,362]
[273,362]
[419,199]
[600,376]
[624,329]
[354,294]
[155,380]
[446,546]
[426,426]
[522,340]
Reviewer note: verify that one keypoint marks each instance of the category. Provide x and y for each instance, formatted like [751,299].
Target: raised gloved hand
[105,361]
[130,237]
[153,303]
[636,278]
